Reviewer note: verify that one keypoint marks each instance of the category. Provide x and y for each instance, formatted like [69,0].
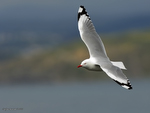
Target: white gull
[98,60]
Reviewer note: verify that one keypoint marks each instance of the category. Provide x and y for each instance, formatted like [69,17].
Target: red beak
[79,66]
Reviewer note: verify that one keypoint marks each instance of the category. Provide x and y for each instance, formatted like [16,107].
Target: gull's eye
[84,63]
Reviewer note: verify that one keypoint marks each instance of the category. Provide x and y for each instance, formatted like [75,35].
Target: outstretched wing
[89,36]
[117,75]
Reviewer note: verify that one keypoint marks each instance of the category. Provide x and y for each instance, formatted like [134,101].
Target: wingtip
[82,11]
[126,86]
[129,85]
[81,6]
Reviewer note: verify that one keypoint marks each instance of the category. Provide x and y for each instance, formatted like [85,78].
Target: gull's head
[90,65]
[84,64]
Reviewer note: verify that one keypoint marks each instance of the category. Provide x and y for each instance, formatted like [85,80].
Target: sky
[60,17]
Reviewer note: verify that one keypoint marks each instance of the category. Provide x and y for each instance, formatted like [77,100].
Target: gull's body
[98,60]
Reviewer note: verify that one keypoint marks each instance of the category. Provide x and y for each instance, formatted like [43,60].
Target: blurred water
[87,97]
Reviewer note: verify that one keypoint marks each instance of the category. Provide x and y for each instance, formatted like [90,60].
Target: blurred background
[40,49]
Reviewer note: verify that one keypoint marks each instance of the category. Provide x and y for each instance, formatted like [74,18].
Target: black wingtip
[82,11]
[127,86]
[82,6]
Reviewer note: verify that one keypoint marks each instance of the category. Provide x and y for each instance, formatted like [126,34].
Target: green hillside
[60,64]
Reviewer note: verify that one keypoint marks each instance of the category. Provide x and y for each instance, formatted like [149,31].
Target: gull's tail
[119,64]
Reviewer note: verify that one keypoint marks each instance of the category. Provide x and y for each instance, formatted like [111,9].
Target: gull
[98,60]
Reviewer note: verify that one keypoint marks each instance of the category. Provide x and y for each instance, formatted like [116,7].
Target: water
[80,97]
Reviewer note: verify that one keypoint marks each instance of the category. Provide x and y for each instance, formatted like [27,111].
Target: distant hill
[60,63]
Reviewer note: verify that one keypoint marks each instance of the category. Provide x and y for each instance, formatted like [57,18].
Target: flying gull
[98,60]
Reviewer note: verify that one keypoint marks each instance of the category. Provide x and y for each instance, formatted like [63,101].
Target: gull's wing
[117,75]
[89,35]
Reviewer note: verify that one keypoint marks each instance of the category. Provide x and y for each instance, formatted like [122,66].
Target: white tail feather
[119,64]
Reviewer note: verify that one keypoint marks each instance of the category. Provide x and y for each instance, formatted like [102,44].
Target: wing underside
[118,76]
[89,35]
